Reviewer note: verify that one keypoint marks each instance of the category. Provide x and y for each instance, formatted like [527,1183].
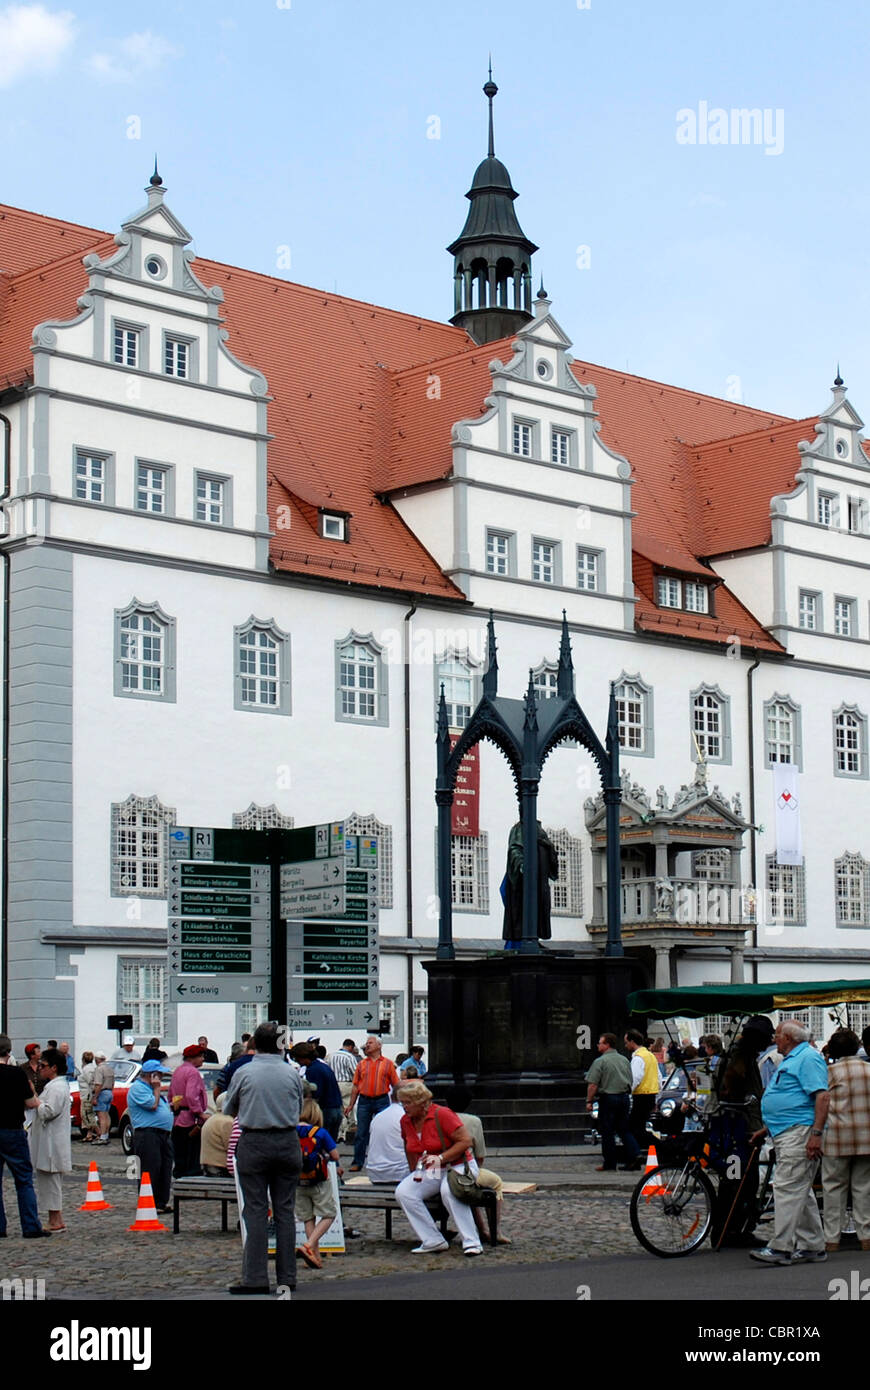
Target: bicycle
[671,1208]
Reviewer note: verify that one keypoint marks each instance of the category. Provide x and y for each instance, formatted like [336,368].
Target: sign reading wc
[740,126]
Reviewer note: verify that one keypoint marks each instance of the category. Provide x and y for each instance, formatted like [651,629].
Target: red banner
[465,812]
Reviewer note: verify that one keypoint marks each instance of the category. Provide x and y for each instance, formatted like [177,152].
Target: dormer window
[696,596]
[689,594]
[333,526]
[155,267]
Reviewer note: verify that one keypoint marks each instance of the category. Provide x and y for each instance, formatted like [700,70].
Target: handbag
[463,1184]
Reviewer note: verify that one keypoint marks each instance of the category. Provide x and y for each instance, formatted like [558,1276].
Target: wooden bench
[382,1197]
[377,1197]
[203,1189]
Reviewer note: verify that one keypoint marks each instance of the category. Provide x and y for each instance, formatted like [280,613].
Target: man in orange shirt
[373,1080]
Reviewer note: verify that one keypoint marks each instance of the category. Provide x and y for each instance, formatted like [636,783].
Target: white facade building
[201,630]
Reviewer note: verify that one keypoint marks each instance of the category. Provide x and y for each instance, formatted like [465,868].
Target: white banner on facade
[788,814]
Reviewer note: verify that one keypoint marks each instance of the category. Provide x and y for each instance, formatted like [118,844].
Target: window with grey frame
[786,892]
[213,499]
[845,617]
[459,676]
[142,994]
[850,743]
[590,569]
[361,681]
[634,715]
[501,552]
[852,890]
[710,724]
[420,1005]
[809,610]
[392,1008]
[180,357]
[782,732]
[567,890]
[130,345]
[139,847]
[546,561]
[262,667]
[155,488]
[469,872]
[94,476]
[144,661]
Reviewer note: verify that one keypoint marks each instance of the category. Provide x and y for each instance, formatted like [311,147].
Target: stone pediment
[695,805]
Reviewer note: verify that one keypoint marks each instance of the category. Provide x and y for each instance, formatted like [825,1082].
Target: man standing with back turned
[266,1095]
[794,1108]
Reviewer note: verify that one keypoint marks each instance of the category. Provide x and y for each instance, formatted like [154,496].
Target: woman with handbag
[438,1147]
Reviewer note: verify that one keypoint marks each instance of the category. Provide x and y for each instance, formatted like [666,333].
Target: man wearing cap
[266,1095]
[127,1051]
[31,1070]
[189,1103]
[151,1119]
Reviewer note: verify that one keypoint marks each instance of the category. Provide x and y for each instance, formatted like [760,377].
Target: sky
[332,142]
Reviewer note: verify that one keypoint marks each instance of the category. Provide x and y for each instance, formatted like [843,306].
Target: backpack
[314,1160]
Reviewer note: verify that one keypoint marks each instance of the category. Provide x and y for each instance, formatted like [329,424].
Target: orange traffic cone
[146,1212]
[651,1188]
[94,1199]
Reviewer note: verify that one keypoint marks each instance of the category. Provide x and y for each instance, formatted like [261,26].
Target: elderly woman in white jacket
[50,1150]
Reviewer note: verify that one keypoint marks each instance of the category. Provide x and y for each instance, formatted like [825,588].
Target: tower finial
[490,675]
[489,91]
[155,179]
[565,672]
[838,380]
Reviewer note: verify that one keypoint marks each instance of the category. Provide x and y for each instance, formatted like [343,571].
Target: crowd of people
[811,1103]
[273,1123]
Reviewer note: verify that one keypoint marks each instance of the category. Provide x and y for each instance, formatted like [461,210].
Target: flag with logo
[788,814]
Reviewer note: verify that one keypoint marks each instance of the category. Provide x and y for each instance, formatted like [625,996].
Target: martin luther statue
[548,868]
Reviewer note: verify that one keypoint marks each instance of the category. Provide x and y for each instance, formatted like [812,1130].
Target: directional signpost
[333,961]
[219,921]
[288,917]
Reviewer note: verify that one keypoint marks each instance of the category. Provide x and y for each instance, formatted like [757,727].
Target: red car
[126,1072]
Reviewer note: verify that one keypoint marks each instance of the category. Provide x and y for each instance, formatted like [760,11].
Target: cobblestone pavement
[575,1213]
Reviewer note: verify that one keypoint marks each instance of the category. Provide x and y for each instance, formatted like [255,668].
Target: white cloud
[32,40]
[132,58]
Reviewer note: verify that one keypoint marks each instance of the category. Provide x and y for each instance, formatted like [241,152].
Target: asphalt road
[729,1277]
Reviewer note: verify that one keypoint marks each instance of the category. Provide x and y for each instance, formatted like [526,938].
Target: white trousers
[796,1221]
[412,1197]
[49,1189]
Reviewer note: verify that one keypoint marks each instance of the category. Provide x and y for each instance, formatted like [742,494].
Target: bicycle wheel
[672,1210]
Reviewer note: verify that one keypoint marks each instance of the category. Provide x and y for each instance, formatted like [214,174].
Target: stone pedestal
[508,1028]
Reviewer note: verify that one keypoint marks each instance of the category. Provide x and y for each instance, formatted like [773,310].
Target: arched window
[634,713]
[360,681]
[853,899]
[144,652]
[262,667]
[139,847]
[850,742]
[711,725]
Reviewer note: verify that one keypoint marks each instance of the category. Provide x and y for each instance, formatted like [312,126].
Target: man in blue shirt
[152,1120]
[794,1108]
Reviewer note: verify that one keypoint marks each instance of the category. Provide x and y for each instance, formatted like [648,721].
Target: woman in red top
[435,1140]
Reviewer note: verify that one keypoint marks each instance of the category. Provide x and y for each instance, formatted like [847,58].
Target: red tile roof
[363,402]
